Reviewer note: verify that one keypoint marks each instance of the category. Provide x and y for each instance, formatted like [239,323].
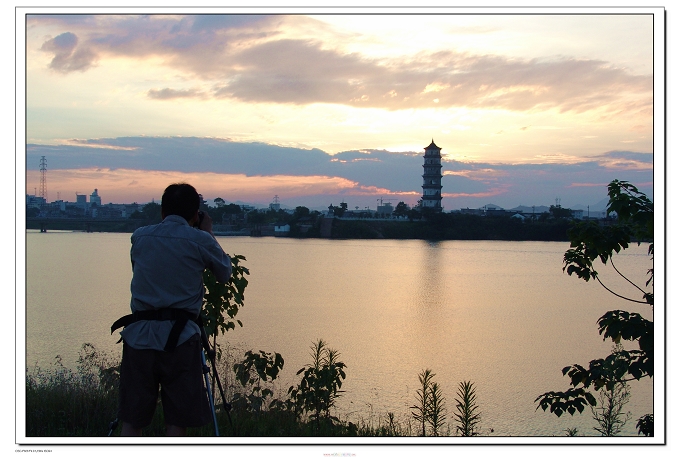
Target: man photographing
[161,341]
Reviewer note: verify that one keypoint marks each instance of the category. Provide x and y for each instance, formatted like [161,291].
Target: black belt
[181,318]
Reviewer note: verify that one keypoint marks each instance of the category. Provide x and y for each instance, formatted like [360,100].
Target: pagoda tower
[432,178]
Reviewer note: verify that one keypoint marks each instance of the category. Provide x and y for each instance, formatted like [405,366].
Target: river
[500,314]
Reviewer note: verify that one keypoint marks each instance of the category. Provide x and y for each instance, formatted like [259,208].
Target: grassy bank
[61,402]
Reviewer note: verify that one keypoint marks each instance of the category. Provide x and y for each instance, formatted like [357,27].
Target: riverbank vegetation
[609,376]
[61,402]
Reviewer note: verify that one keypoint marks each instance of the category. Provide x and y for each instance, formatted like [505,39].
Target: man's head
[180,199]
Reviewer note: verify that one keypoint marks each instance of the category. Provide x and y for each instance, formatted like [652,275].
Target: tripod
[211,355]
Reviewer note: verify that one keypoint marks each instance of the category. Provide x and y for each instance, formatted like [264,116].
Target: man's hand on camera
[207,224]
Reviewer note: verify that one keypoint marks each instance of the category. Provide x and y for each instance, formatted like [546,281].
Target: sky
[320,109]
[529,109]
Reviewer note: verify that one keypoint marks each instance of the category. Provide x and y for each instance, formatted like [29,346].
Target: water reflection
[429,296]
[499,313]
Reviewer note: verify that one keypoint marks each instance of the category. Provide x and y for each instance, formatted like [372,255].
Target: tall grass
[61,402]
[83,403]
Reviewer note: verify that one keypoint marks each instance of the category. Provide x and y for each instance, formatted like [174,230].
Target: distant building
[59,205]
[472,211]
[34,201]
[81,201]
[281,230]
[432,178]
[95,199]
[385,210]
[275,205]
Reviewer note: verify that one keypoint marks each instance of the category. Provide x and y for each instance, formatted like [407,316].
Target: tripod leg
[206,371]
[112,426]
[211,355]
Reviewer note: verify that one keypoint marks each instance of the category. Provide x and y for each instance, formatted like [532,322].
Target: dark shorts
[180,376]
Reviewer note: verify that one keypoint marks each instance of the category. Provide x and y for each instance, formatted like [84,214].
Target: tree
[591,241]
[219,201]
[256,217]
[150,212]
[559,212]
[232,209]
[339,211]
[401,210]
[415,212]
[300,212]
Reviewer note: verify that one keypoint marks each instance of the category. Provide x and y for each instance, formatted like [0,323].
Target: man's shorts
[180,376]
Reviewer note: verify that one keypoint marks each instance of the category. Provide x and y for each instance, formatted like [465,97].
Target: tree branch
[611,260]
[618,295]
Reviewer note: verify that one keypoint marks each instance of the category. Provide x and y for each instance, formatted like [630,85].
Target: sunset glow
[125,98]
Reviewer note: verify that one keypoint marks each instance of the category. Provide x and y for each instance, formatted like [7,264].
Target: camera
[201,215]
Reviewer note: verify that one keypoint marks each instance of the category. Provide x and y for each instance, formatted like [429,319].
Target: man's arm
[220,264]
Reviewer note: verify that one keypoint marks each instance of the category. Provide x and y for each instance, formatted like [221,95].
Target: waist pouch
[181,318]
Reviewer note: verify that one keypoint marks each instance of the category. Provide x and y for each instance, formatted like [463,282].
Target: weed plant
[467,414]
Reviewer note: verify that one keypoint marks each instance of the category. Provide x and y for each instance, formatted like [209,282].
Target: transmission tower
[43,179]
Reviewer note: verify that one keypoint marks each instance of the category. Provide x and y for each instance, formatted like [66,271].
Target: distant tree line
[422,223]
[456,226]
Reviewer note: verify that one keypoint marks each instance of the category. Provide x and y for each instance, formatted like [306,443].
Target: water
[501,314]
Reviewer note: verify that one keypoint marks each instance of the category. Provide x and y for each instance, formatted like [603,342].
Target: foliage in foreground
[61,402]
[590,242]
[221,301]
[467,416]
[430,413]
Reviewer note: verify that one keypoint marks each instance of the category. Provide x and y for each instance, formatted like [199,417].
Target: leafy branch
[591,241]
[221,301]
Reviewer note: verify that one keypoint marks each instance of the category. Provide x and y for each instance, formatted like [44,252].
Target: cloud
[588,185]
[253,59]
[128,185]
[171,94]
[68,56]
[494,192]
[294,71]
[626,160]
[476,174]
[259,170]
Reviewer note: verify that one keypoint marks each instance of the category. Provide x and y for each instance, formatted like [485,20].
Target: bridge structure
[85,224]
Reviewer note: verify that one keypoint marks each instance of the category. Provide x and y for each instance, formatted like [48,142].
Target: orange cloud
[490,193]
[477,175]
[126,185]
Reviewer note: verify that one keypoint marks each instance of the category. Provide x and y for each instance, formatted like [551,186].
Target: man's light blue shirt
[168,260]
